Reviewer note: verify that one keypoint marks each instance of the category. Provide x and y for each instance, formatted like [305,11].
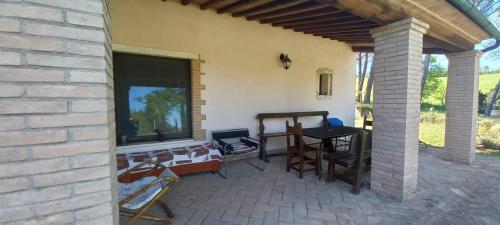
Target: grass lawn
[433,133]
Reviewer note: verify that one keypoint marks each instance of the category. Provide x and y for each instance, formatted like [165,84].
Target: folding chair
[235,142]
[143,186]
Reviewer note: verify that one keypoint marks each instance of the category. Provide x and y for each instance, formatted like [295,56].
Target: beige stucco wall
[243,74]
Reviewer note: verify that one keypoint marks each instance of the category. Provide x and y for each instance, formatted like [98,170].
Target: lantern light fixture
[285,61]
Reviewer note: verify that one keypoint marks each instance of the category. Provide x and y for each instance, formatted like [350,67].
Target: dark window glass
[153,98]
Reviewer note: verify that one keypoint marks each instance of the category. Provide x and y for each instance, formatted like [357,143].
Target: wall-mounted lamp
[285,61]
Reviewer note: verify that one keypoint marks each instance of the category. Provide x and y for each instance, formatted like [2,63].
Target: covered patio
[79,79]
[448,193]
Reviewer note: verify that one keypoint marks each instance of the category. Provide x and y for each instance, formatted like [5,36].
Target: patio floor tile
[448,193]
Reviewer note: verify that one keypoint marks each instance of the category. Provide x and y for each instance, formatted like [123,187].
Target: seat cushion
[182,161]
[127,189]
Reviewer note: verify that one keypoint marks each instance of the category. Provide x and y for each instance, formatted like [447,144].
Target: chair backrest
[233,133]
[367,122]
[296,132]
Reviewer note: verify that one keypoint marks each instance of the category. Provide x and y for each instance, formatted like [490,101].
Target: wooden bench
[263,136]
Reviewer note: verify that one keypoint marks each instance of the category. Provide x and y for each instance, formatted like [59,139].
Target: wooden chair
[143,186]
[356,161]
[367,122]
[298,150]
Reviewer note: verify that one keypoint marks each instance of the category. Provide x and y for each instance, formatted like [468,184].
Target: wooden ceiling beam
[302,15]
[315,19]
[185,2]
[236,5]
[350,31]
[209,4]
[329,23]
[264,7]
[335,27]
[301,7]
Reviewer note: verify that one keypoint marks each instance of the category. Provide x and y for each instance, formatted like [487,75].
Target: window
[325,77]
[152,97]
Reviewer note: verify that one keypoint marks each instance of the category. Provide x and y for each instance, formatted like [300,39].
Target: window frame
[322,72]
[122,95]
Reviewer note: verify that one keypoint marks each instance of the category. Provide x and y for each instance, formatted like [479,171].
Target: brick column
[461,106]
[57,144]
[397,74]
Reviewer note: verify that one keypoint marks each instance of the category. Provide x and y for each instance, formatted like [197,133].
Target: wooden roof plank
[301,7]
[209,4]
[236,5]
[267,6]
[314,19]
[301,16]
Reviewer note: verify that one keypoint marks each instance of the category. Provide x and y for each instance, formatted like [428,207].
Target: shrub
[432,117]
[487,135]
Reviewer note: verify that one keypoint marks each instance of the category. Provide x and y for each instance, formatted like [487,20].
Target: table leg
[321,144]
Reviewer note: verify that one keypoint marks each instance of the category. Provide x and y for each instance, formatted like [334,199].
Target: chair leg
[301,171]
[333,171]
[318,162]
[288,162]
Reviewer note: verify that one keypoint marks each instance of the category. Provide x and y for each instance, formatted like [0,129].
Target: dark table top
[330,132]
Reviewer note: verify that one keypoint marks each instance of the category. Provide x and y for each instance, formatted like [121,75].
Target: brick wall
[197,87]
[397,74]
[461,106]
[56,113]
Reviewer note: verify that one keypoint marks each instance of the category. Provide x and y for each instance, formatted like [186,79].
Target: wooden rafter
[336,27]
[209,4]
[315,19]
[236,5]
[267,6]
[302,7]
[360,30]
[329,23]
[300,16]
[185,2]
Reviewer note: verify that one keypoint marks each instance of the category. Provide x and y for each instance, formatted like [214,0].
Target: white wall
[243,73]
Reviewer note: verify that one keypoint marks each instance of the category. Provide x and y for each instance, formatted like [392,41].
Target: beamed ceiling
[307,16]
[314,17]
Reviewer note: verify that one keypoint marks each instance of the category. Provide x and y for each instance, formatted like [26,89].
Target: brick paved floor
[448,193]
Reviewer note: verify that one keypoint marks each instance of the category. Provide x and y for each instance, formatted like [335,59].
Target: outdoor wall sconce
[285,61]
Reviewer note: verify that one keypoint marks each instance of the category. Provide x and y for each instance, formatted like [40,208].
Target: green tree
[432,82]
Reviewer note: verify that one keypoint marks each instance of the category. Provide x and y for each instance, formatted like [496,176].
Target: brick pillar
[461,106]
[397,74]
[57,144]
